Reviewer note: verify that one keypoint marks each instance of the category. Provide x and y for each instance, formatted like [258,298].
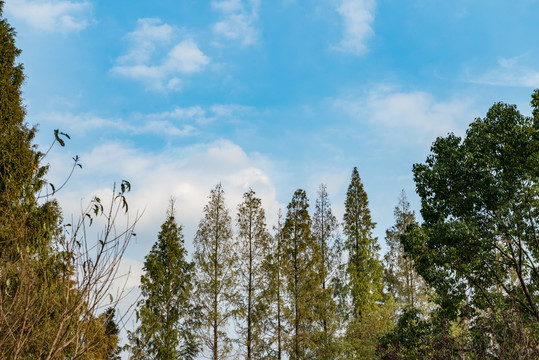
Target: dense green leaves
[478,246]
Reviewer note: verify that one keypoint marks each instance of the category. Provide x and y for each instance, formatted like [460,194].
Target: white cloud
[187,173]
[358,16]
[510,72]
[81,124]
[238,22]
[149,34]
[144,61]
[178,122]
[415,117]
[51,15]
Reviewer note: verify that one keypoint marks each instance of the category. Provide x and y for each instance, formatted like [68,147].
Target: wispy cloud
[178,122]
[84,123]
[51,15]
[144,63]
[200,116]
[510,72]
[358,16]
[416,118]
[238,21]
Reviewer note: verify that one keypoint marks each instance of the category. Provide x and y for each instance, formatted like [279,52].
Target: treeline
[463,284]
[312,290]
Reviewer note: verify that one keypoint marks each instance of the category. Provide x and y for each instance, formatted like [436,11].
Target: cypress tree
[406,285]
[253,250]
[364,268]
[166,312]
[303,287]
[24,223]
[275,269]
[325,230]
[216,281]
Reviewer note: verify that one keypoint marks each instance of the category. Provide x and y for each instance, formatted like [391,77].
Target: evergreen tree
[113,332]
[404,283]
[24,224]
[364,267]
[216,287]
[253,249]
[325,230]
[369,318]
[51,285]
[166,312]
[302,281]
[274,269]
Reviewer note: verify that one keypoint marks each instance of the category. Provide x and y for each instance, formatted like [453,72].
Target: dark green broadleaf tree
[478,245]
[166,312]
[216,281]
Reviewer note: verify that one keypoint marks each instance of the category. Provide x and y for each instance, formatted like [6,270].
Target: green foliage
[253,251]
[364,267]
[363,333]
[112,331]
[417,337]
[302,282]
[165,312]
[216,281]
[478,246]
[24,222]
[325,230]
[275,273]
[406,286]
[52,280]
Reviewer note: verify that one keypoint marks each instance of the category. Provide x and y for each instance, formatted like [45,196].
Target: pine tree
[364,268]
[253,249]
[404,283]
[302,281]
[166,312]
[325,230]
[216,285]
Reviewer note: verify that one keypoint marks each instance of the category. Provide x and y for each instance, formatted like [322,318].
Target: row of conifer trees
[313,288]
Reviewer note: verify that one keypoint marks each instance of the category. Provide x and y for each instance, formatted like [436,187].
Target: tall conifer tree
[406,285]
[325,230]
[253,250]
[216,285]
[166,312]
[364,267]
[275,269]
[303,286]
[23,221]
[369,318]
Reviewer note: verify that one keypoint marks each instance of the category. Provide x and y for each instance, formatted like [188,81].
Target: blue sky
[178,95]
